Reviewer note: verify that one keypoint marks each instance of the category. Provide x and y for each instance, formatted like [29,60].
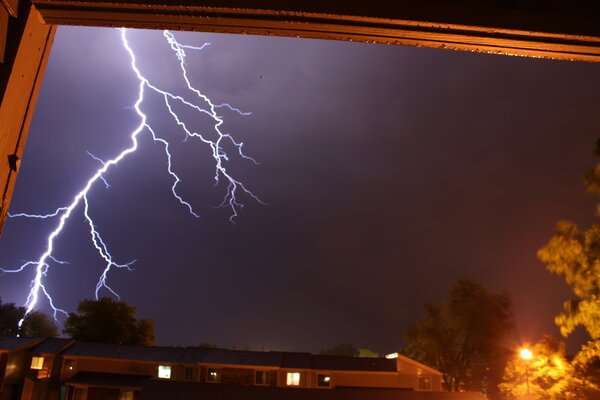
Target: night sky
[389,172]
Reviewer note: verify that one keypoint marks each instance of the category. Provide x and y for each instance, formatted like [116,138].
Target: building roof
[418,364]
[52,346]
[160,354]
[295,360]
[8,343]
[193,355]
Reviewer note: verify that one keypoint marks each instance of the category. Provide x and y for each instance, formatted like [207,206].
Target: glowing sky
[390,173]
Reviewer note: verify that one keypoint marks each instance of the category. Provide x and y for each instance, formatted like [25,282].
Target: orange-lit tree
[549,374]
[575,255]
[546,375]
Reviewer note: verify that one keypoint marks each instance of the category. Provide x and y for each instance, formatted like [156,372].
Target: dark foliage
[109,321]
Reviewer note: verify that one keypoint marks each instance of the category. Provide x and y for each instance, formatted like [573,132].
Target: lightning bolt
[231,199]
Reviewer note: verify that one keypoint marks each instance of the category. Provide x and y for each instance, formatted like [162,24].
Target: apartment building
[65,369]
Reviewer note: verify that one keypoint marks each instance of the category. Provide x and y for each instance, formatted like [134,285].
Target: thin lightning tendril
[233,187]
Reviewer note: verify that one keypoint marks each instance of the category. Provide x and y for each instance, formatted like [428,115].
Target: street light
[526,355]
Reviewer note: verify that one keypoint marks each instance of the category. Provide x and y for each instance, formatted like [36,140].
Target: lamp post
[526,355]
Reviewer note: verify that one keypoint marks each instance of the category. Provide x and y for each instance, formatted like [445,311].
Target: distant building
[53,369]
[14,365]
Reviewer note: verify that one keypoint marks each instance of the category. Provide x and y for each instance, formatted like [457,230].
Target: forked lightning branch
[80,204]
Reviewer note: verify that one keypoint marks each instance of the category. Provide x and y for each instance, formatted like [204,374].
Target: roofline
[419,365]
[23,346]
[68,344]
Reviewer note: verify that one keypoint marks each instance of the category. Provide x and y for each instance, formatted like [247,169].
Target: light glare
[525,354]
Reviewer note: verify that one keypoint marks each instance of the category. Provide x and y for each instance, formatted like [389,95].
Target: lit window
[190,373]
[164,371]
[213,375]
[323,380]
[37,362]
[126,395]
[293,378]
[424,383]
[261,378]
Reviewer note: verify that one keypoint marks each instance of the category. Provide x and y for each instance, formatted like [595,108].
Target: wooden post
[27,47]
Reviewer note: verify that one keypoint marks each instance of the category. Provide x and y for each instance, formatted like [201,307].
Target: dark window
[69,365]
[190,373]
[213,375]
[323,380]
[424,383]
[261,378]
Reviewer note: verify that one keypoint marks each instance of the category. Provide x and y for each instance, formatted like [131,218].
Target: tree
[10,315]
[207,346]
[35,324]
[575,255]
[462,338]
[366,353]
[548,375]
[344,349]
[109,321]
[38,324]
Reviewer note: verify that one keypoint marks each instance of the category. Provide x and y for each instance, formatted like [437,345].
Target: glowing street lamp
[526,355]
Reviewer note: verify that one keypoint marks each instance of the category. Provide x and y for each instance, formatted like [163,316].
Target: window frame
[290,378]
[218,371]
[421,383]
[161,369]
[266,375]
[69,365]
[326,382]
[190,373]
[37,363]
[126,395]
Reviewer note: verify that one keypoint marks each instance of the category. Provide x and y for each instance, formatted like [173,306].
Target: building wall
[244,376]
[12,364]
[3,362]
[37,390]
[103,394]
[15,364]
[45,383]
[407,378]
[412,372]
[112,366]
[237,376]
[366,379]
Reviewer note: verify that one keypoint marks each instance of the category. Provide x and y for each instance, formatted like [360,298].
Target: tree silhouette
[109,321]
[462,338]
[35,324]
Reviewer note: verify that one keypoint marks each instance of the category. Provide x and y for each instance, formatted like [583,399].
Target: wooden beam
[12,6]
[559,30]
[24,71]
